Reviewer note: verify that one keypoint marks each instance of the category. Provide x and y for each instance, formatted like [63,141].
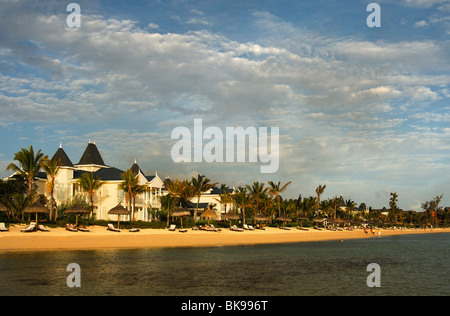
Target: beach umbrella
[119,210]
[3,208]
[302,218]
[36,207]
[284,219]
[208,214]
[261,218]
[318,220]
[77,209]
[230,216]
[180,212]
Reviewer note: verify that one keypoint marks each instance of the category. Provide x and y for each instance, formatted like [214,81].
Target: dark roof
[216,190]
[193,205]
[136,169]
[62,156]
[91,156]
[105,174]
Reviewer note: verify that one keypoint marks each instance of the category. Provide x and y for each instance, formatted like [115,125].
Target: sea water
[409,265]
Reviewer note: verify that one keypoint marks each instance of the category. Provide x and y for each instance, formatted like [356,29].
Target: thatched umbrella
[36,207]
[284,219]
[180,212]
[318,220]
[77,209]
[230,216]
[261,218]
[208,214]
[3,208]
[302,218]
[119,210]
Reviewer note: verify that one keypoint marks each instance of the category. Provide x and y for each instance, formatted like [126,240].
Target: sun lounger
[134,230]
[83,229]
[215,229]
[71,228]
[182,230]
[112,228]
[30,228]
[172,228]
[248,227]
[301,228]
[42,228]
[236,229]
[3,227]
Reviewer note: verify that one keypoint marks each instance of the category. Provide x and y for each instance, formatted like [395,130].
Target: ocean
[408,265]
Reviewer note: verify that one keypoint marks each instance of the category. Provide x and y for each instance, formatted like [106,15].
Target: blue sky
[363,110]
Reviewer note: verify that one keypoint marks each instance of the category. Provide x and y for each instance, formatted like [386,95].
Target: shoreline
[101,239]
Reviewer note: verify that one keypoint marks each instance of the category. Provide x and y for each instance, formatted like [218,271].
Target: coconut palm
[90,185]
[51,167]
[129,181]
[135,191]
[275,189]
[319,192]
[242,200]
[175,188]
[201,184]
[392,215]
[257,190]
[29,166]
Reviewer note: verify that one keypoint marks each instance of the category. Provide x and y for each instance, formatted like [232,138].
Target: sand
[100,238]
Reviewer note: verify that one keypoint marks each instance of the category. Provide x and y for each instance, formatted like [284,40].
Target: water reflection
[410,265]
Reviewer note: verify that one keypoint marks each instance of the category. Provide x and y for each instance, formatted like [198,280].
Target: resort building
[110,194]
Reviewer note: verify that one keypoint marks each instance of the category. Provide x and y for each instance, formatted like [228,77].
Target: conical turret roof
[91,156]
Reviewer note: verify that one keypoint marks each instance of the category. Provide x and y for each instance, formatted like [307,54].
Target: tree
[275,189]
[90,185]
[319,192]
[242,200]
[51,167]
[432,207]
[257,190]
[392,215]
[29,166]
[175,188]
[129,182]
[201,184]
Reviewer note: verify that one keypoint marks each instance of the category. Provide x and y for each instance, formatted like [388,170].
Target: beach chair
[112,228]
[42,228]
[214,229]
[134,230]
[182,230]
[3,227]
[30,228]
[71,228]
[83,229]
[172,228]
[236,229]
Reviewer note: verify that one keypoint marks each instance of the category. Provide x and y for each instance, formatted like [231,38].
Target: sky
[363,110]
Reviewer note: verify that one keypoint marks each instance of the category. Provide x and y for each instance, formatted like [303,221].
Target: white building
[110,194]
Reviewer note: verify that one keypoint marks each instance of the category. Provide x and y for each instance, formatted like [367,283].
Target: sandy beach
[101,238]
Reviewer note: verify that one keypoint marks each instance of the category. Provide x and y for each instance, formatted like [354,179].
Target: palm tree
[201,184]
[51,167]
[129,182]
[392,216]
[319,192]
[242,200]
[29,166]
[257,190]
[135,191]
[275,189]
[175,188]
[90,185]
[224,199]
